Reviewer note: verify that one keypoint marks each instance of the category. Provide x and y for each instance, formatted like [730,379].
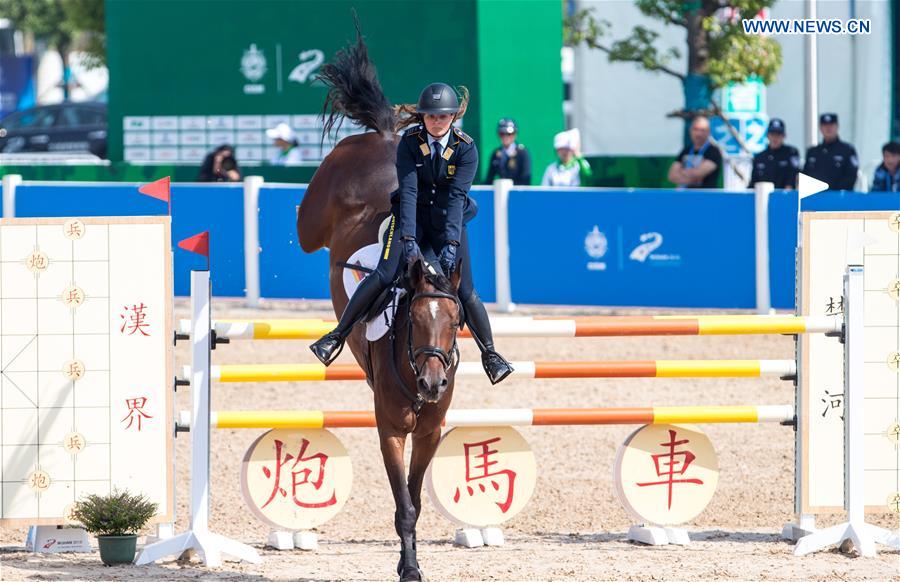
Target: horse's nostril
[444,383]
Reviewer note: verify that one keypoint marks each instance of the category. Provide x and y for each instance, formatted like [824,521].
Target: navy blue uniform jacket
[438,204]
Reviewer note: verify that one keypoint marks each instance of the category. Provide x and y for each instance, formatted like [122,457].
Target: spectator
[572,169]
[778,163]
[220,166]
[511,160]
[887,175]
[700,164]
[833,161]
[285,140]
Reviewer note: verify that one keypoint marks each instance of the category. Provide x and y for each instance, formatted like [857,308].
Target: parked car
[66,127]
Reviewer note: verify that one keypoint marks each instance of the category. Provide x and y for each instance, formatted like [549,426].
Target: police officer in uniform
[833,161]
[778,163]
[436,164]
[511,160]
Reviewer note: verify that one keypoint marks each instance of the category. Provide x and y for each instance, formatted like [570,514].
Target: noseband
[447,359]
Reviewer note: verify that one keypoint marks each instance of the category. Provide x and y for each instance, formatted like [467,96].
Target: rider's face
[438,125]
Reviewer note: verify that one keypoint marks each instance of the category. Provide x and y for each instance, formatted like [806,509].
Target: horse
[410,370]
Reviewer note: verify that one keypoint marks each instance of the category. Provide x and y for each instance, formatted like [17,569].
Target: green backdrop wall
[186,75]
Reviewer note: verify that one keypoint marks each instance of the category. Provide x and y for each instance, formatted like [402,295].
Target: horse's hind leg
[392,447]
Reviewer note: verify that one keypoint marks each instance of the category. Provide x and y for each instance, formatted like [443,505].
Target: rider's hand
[448,259]
[411,250]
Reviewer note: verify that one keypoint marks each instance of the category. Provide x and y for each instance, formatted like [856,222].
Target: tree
[59,23]
[718,51]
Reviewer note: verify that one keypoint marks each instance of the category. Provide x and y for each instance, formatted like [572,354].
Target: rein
[448,360]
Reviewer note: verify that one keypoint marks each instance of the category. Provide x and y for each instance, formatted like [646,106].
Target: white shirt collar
[510,149]
[444,140]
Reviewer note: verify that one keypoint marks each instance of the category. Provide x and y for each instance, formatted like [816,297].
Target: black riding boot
[330,345]
[495,366]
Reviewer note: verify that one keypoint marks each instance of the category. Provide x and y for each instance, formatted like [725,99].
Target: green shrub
[117,514]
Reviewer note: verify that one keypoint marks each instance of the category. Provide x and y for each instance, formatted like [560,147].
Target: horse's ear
[416,273]
[456,276]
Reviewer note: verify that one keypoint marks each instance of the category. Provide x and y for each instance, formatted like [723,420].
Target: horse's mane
[354,90]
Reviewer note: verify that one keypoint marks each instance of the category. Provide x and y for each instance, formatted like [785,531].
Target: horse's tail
[354,90]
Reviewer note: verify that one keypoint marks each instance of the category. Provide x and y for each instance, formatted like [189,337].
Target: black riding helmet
[437,99]
[507,126]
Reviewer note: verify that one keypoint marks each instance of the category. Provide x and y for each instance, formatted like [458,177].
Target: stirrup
[495,366]
[328,347]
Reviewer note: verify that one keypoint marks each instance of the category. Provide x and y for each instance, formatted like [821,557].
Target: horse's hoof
[411,574]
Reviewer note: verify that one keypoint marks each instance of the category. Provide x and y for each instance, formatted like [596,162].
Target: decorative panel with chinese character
[85,364]
[296,479]
[821,389]
[666,474]
[481,476]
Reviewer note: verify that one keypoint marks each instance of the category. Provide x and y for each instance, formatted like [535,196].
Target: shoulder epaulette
[414,130]
[462,135]
[520,146]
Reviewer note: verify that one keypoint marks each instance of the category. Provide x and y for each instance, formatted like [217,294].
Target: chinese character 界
[135,321]
[135,411]
[665,464]
[478,468]
[299,477]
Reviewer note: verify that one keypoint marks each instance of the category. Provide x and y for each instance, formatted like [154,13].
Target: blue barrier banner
[657,248]
[481,243]
[285,271]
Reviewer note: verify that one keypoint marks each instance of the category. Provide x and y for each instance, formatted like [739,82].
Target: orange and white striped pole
[524,369]
[590,326]
[266,419]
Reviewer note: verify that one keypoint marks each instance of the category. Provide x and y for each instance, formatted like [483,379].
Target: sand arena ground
[573,528]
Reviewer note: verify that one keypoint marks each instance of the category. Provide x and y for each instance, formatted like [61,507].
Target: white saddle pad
[368,257]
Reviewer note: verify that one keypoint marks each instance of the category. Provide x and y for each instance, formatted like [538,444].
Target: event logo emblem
[596,245]
[253,67]
[309,62]
[643,253]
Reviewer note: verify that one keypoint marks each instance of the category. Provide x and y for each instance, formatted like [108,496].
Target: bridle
[447,359]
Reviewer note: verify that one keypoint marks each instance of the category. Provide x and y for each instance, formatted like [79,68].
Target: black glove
[411,250]
[448,259]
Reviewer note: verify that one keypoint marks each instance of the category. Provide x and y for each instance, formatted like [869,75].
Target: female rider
[436,164]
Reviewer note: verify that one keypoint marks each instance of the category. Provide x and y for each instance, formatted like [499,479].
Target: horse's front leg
[392,446]
[423,448]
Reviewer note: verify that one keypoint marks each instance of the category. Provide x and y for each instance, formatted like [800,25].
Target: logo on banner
[253,67]
[309,62]
[596,245]
[643,253]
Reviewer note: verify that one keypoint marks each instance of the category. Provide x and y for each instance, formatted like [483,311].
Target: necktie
[436,162]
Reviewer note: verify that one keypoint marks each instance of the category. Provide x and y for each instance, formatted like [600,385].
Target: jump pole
[785,369]
[296,419]
[589,326]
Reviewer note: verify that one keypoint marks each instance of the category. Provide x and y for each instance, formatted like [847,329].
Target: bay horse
[411,369]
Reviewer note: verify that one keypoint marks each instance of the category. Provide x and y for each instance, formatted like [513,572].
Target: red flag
[158,189]
[199,243]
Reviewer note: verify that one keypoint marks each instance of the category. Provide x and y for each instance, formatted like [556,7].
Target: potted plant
[115,519]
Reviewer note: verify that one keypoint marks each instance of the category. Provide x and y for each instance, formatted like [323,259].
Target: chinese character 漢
[299,476]
[479,472]
[135,411]
[135,321]
[672,463]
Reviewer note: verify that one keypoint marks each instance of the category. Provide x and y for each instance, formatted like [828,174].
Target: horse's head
[435,316]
